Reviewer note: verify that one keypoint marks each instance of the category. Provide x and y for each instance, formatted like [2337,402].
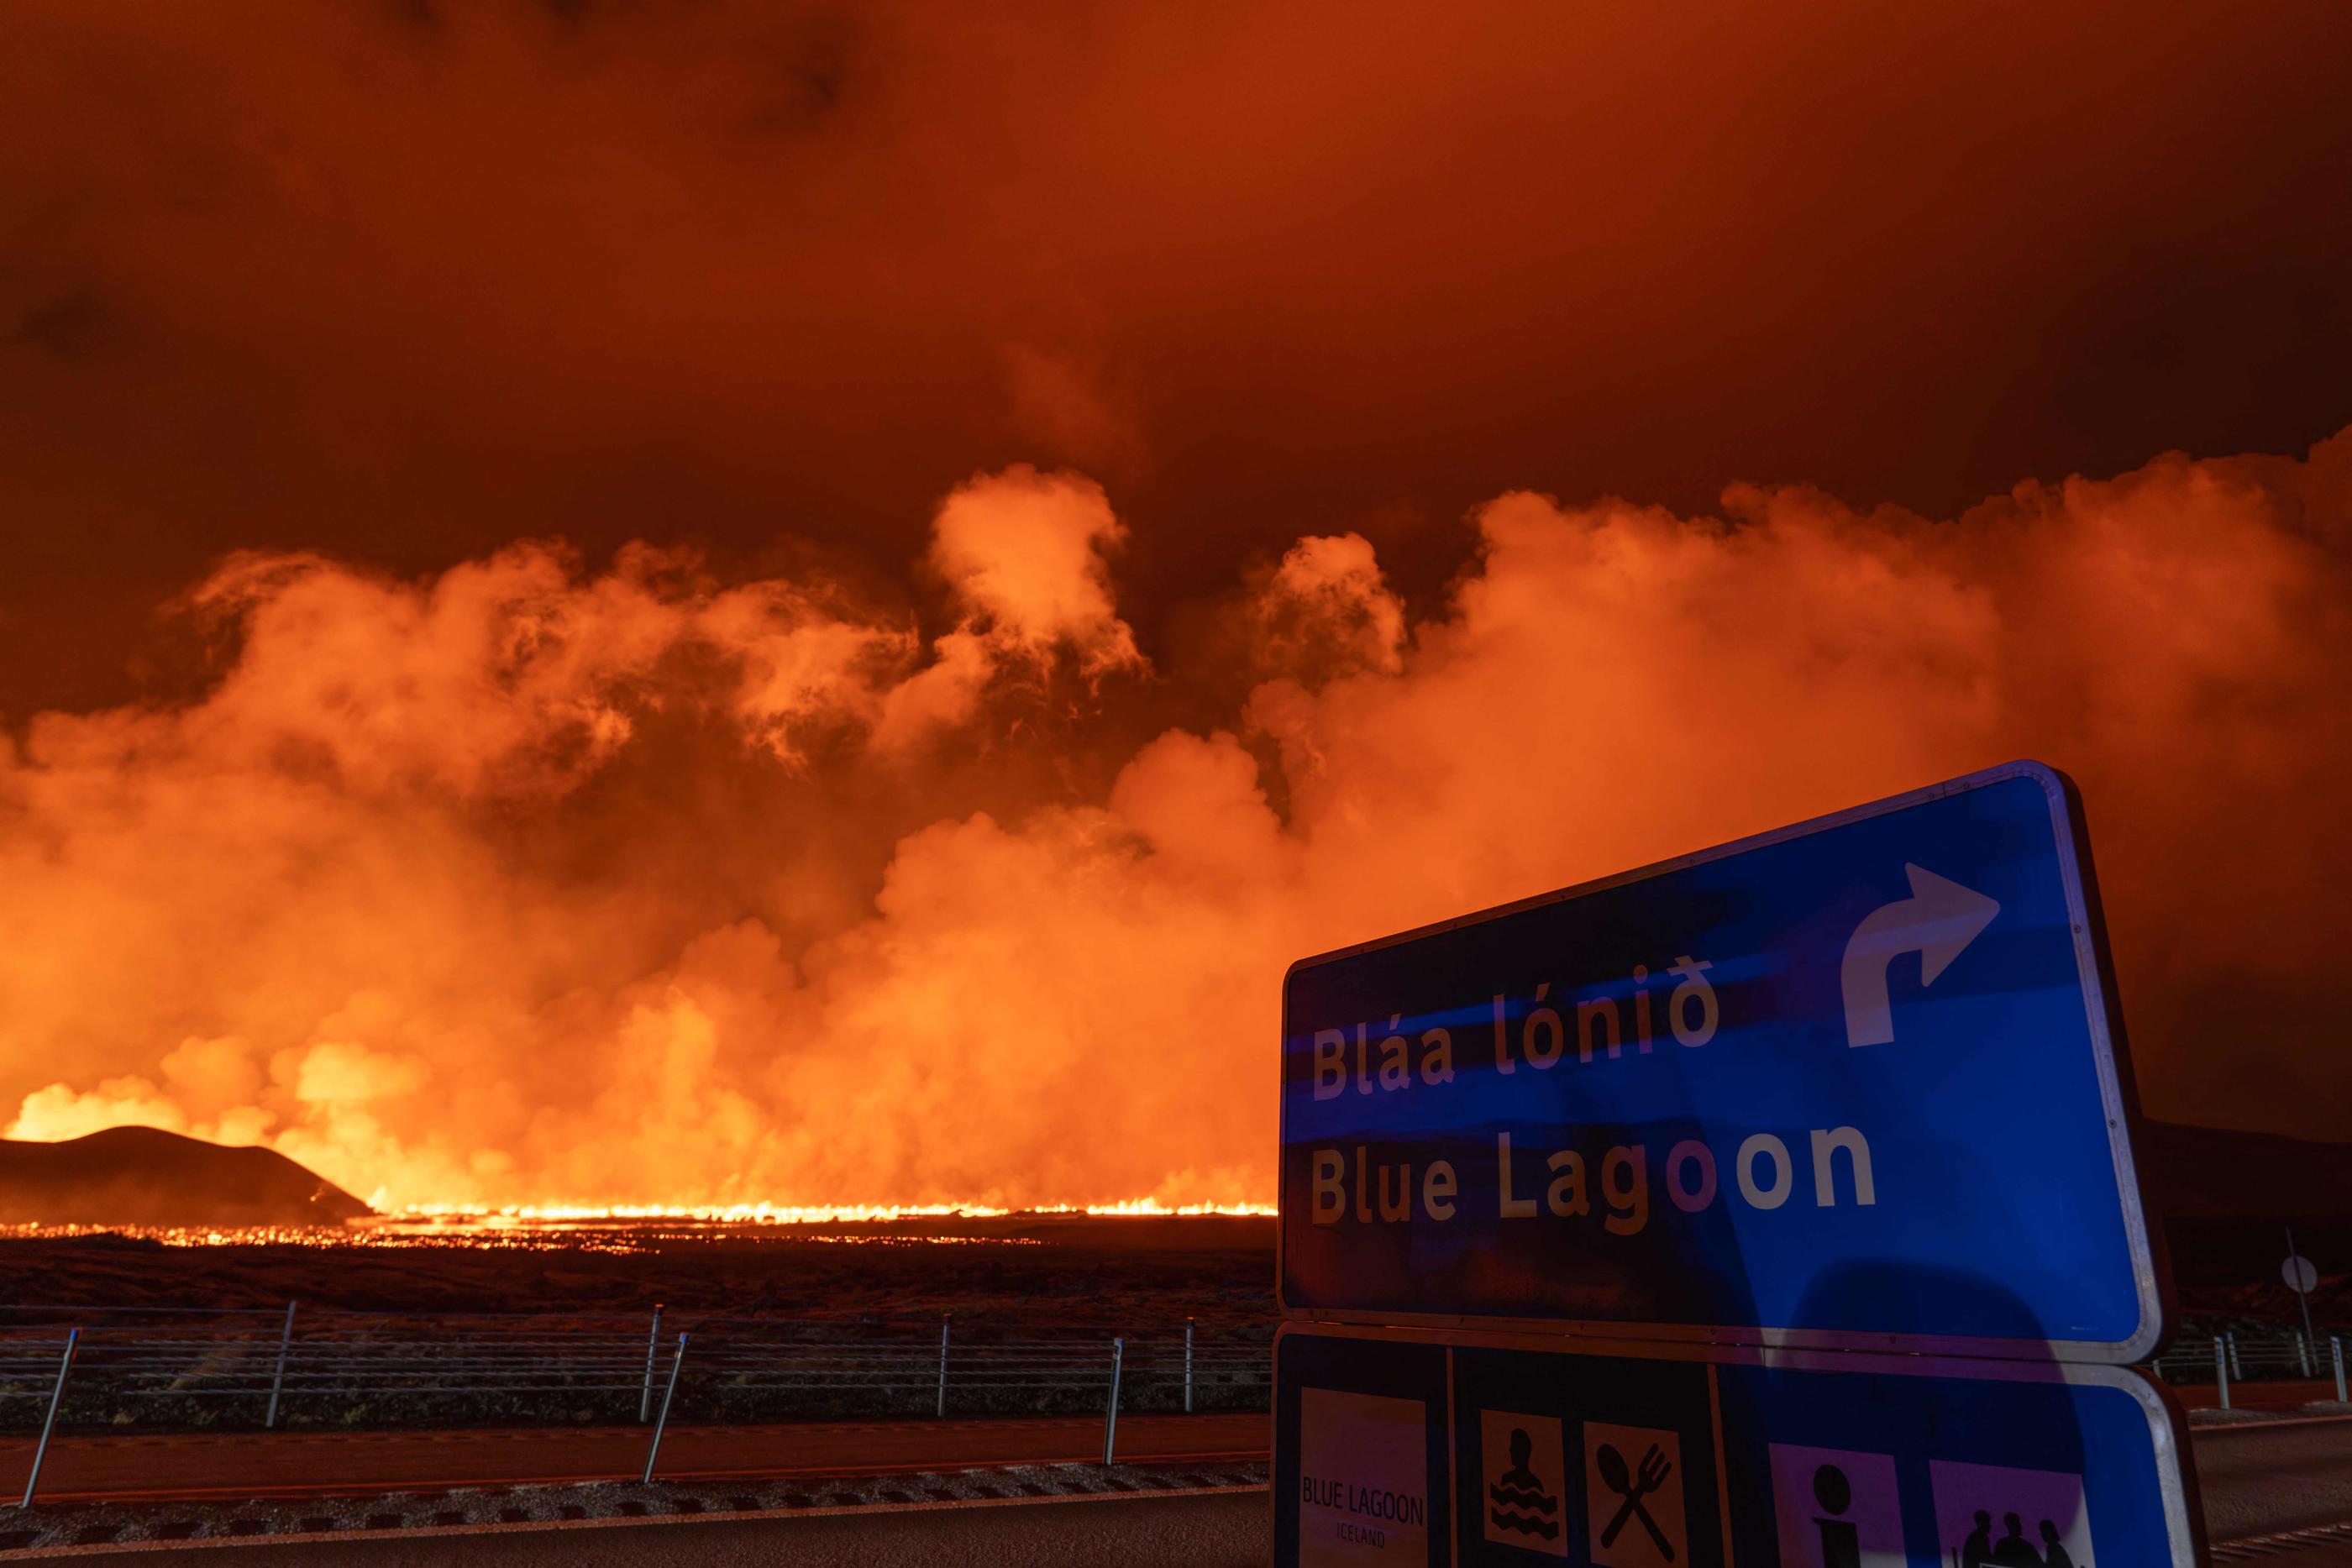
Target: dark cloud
[409,283]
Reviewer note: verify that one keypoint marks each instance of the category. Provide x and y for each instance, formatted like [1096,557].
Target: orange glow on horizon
[629,1228]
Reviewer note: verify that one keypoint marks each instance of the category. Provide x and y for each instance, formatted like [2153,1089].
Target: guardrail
[2225,1360]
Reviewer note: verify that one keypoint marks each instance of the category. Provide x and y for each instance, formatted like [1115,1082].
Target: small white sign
[1836,1508]
[1991,1516]
[1363,1480]
[2298,1273]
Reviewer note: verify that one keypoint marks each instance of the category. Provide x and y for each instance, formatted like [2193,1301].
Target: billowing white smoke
[528,883]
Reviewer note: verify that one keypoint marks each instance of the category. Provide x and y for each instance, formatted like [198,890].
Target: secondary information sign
[1395,1450]
[1854,1083]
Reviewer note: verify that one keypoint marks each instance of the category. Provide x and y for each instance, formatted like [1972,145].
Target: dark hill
[2227,1198]
[142,1175]
[2219,1170]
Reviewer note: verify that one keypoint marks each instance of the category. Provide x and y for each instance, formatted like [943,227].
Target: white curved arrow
[1936,922]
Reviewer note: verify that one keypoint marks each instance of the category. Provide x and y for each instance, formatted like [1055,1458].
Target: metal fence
[312,1366]
[278,1366]
[2224,1360]
[267,1368]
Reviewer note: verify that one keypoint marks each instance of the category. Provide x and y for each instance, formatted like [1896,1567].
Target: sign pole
[2301,1294]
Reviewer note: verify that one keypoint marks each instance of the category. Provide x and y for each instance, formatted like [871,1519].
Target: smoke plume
[530,880]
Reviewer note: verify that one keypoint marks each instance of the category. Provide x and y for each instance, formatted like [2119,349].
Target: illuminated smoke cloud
[528,882]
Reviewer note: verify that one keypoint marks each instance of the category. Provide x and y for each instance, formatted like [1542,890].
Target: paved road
[2257,1482]
[2261,1480]
[2284,1395]
[283,1464]
[1227,1530]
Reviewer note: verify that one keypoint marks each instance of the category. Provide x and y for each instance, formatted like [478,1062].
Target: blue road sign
[1488,1450]
[1855,1084]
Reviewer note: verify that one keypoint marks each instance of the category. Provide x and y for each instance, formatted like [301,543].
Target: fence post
[1187,1366]
[653,1449]
[2237,1368]
[2336,1353]
[277,1378]
[2221,1370]
[1111,1420]
[653,1344]
[944,1318]
[2303,1352]
[48,1424]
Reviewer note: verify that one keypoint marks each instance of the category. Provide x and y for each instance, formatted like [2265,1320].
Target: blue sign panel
[1854,1083]
[1497,1452]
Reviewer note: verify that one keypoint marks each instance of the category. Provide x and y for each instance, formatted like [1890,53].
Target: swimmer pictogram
[1525,1473]
[1520,1502]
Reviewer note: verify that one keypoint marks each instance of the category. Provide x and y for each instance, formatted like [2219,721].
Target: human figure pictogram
[2014,1550]
[1976,1552]
[1520,1502]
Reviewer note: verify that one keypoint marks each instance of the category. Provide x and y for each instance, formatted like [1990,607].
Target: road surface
[2273,1480]
[2260,1482]
[1226,1531]
[285,1464]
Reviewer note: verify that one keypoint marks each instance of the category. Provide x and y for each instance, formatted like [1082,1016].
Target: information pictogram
[1836,1508]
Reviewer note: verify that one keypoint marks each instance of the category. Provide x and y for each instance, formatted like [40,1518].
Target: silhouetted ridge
[143,1176]
[2226,1198]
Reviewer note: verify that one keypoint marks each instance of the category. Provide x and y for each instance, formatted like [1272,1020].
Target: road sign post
[2301,1278]
[1857,1083]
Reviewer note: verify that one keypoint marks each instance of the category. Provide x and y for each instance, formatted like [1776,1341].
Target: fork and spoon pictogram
[1651,1475]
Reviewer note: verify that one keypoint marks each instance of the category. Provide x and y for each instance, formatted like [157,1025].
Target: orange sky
[1051,530]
